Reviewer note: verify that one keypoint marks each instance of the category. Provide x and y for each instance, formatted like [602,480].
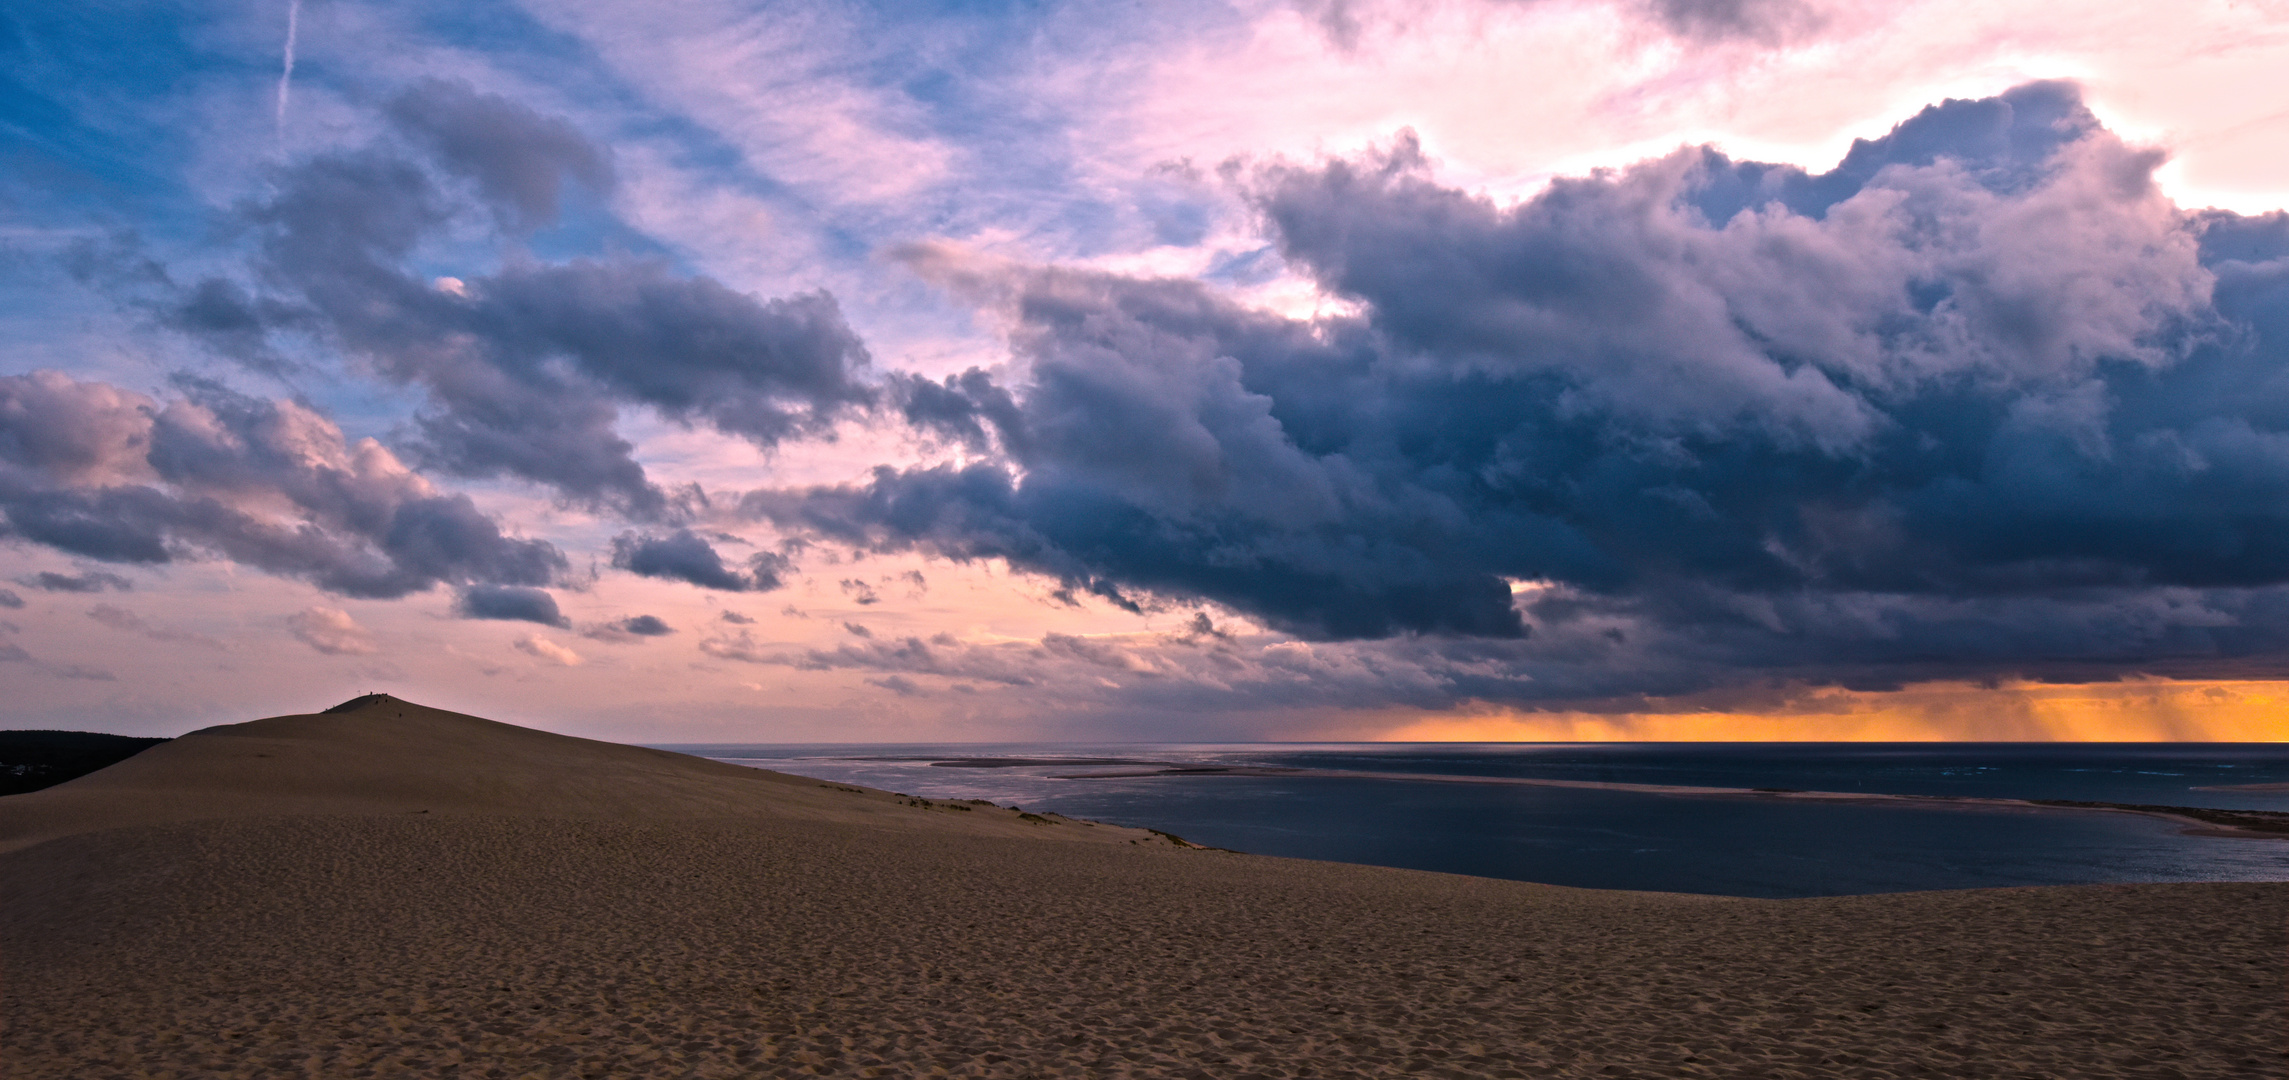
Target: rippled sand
[757,925]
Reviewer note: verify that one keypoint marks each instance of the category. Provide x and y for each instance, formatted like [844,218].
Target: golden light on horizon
[2138,710]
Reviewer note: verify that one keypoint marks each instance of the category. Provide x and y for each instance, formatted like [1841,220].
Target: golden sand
[398,891]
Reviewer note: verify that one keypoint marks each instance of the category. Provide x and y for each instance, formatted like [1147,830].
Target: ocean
[1593,837]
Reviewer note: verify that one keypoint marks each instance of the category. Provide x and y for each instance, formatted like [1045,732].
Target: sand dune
[394,757]
[397,891]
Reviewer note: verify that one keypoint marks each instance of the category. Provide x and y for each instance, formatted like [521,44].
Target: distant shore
[2200,821]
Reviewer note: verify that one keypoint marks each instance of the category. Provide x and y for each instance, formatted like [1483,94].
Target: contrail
[286,72]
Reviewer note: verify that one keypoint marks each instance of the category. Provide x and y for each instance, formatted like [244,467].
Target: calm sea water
[1628,840]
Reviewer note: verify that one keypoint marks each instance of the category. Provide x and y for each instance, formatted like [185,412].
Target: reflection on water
[1608,839]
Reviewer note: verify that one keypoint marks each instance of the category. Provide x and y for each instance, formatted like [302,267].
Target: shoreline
[2199,821]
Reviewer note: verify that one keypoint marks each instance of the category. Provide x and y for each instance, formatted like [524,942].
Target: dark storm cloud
[1979,401]
[526,369]
[685,556]
[646,626]
[511,603]
[9,599]
[963,409]
[679,556]
[108,474]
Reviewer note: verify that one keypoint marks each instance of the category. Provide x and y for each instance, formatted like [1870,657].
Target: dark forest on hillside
[31,760]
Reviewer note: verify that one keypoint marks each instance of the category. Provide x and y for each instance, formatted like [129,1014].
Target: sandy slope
[395,757]
[568,908]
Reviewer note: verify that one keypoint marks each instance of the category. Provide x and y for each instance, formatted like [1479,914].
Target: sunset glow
[2131,711]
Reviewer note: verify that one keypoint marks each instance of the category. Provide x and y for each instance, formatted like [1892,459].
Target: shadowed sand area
[399,891]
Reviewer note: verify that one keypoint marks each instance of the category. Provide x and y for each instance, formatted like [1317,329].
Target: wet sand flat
[901,940]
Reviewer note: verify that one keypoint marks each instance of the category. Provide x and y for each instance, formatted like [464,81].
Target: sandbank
[2198,821]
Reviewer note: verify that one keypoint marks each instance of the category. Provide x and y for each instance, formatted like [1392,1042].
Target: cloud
[525,371]
[738,645]
[518,158]
[510,603]
[268,484]
[630,629]
[962,409]
[119,618]
[542,648]
[685,556]
[78,433]
[899,685]
[91,582]
[1978,401]
[1768,22]
[1007,663]
[1576,668]
[1185,672]
[331,631]
[9,599]
[1200,627]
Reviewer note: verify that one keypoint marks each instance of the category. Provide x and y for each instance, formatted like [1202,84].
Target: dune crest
[378,754]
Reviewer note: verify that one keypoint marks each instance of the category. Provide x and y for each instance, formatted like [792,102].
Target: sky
[1203,370]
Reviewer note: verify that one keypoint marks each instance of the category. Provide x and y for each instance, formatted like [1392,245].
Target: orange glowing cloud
[2142,710]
